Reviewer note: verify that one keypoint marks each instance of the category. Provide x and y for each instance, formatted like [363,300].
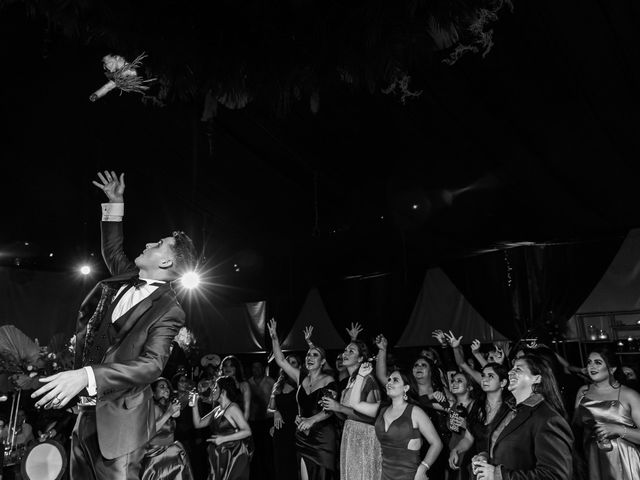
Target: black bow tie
[137,282]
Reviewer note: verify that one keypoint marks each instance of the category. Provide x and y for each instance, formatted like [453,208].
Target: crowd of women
[505,415]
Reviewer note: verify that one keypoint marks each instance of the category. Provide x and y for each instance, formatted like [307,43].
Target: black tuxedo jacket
[536,445]
[124,410]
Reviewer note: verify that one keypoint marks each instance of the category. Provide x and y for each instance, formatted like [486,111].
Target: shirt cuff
[112,212]
[498,473]
[92,388]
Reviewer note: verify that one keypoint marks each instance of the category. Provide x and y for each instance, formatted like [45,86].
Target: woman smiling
[531,439]
[608,413]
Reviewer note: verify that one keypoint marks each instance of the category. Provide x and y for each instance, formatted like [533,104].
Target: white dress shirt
[113,212]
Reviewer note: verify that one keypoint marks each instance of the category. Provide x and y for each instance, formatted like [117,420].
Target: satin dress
[623,461]
[164,457]
[398,462]
[316,446]
[229,460]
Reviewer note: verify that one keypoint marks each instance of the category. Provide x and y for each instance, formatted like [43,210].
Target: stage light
[50,255]
[190,280]
[415,206]
[85,270]
[3,398]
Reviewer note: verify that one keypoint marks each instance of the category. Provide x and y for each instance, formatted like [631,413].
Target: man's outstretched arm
[111,226]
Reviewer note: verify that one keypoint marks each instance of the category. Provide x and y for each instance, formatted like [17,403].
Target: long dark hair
[548,386]
[363,351]
[283,378]
[611,360]
[228,384]
[412,394]
[474,393]
[503,374]
[237,365]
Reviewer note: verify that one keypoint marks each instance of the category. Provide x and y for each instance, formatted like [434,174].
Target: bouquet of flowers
[123,75]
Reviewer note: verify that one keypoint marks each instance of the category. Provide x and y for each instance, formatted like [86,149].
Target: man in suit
[125,328]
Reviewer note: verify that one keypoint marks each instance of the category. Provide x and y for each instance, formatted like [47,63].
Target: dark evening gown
[284,451]
[398,462]
[622,462]
[229,460]
[316,446]
[164,457]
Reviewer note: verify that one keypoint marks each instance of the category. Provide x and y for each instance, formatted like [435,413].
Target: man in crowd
[125,328]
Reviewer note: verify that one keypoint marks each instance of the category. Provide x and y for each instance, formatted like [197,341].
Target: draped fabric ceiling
[535,142]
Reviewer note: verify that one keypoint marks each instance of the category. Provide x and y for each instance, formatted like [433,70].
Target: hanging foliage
[282,52]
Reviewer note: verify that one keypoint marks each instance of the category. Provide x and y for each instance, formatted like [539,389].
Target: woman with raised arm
[360,454]
[474,440]
[608,414]
[495,356]
[231,445]
[165,457]
[284,407]
[231,367]
[315,433]
[400,424]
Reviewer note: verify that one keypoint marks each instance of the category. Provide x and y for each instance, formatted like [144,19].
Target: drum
[44,461]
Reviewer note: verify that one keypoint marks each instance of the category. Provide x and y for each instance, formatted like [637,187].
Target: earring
[404,396]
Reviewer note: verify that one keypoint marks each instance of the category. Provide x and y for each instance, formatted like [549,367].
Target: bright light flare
[85,270]
[190,280]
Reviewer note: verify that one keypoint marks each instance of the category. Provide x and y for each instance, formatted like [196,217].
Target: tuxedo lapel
[522,415]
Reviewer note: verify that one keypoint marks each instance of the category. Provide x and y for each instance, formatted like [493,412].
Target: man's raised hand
[111,185]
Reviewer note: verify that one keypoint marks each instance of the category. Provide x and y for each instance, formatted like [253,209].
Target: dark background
[536,142]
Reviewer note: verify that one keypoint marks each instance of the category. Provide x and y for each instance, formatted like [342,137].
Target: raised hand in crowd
[292,372]
[440,337]
[307,332]
[355,330]
[271,326]
[475,346]
[381,363]
[504,346]
[453,341]
[111,185]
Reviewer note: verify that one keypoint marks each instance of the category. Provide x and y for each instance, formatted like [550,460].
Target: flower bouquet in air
[122,75]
